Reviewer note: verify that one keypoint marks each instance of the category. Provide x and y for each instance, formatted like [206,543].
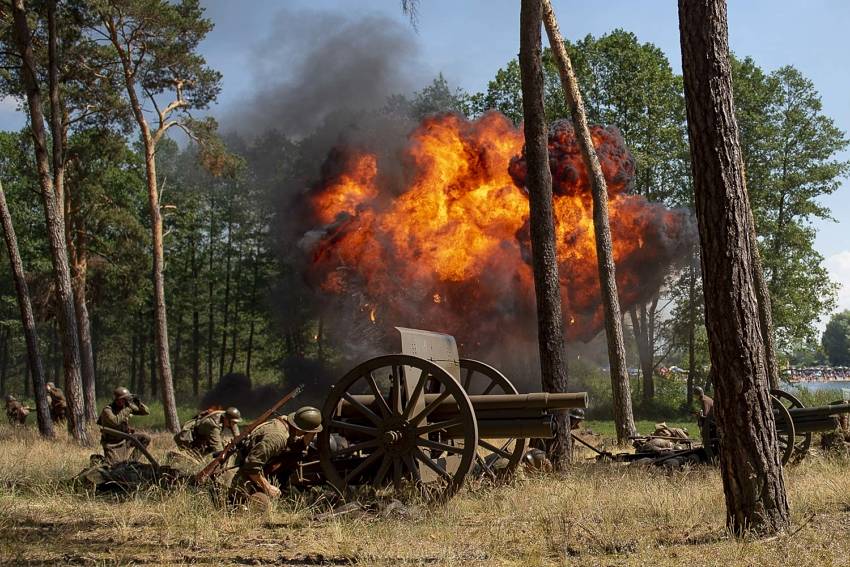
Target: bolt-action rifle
[231,447]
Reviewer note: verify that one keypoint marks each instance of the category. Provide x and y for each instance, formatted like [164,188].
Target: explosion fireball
[450,251]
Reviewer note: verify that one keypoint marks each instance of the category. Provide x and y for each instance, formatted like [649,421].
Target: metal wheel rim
[394,467]
[785,440]
[495,381]
[802,441]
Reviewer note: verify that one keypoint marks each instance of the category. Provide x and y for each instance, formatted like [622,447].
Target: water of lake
[832,386]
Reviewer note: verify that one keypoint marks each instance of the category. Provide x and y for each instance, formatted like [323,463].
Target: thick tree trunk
[77,258]
[149,139]
[547,288]
[77,254]
[749,461]
[86,347]
[55,230]
[166,383]
[621,389]
[764,306]
[45,425]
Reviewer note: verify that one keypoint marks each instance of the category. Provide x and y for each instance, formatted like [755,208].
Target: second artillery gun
[429,419]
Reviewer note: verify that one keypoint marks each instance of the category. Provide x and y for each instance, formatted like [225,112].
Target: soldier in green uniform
[117,416]
[274,440]
[58,405]
[201,435]
[16,411]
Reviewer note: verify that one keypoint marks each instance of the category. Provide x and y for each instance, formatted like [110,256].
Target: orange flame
[461,225]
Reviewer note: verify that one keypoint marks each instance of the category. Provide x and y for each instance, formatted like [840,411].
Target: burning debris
[449,248]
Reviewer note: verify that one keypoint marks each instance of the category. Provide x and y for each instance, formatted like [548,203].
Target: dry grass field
[596,515]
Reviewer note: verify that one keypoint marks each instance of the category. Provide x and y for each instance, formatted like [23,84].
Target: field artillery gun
[795,423]
[428,419]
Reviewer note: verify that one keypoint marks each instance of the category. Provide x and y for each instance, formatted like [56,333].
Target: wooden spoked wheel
[802,441]
[397,437]
[784,429]
[495,458]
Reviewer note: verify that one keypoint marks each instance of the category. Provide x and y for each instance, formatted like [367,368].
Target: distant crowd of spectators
[817,374]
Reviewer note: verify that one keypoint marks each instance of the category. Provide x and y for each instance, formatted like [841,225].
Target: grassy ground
[596,515]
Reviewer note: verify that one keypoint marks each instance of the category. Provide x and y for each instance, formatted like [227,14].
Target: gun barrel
[519,406]
[819,411]
[533,428]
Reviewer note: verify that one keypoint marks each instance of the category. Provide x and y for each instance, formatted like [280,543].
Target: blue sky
[468,40]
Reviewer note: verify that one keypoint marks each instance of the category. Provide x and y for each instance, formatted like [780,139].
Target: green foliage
[790,150]
[836,339]
[437,97]
[668,404]
[159,40]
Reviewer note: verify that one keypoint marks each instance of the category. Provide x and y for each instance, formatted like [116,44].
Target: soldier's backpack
[184,438]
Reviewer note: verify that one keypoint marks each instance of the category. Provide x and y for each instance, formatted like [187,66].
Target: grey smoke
[317,65]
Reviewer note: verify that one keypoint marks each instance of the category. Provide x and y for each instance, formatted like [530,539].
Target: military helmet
[10,398]
[698,391]
[577,414]
[307,419]
[120,393]
[233,414]
[50,385]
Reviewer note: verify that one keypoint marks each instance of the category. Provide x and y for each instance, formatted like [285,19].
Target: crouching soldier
[58,405]
[117,416]
[201,435]
[16,411]
[282,439]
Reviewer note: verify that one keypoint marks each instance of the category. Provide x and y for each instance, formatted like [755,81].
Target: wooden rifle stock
[213,465]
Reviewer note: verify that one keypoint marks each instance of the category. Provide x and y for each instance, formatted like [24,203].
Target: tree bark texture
[169,406]
[621,389]
[66,313]
[45,425]
[765,314]
[750,466]
[547,288]
[166,382]
[76,257]
[75,240]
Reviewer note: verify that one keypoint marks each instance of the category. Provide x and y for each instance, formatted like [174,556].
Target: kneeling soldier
[117,416]
[201,435]
[16,411]
[281,438]
[58,405]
